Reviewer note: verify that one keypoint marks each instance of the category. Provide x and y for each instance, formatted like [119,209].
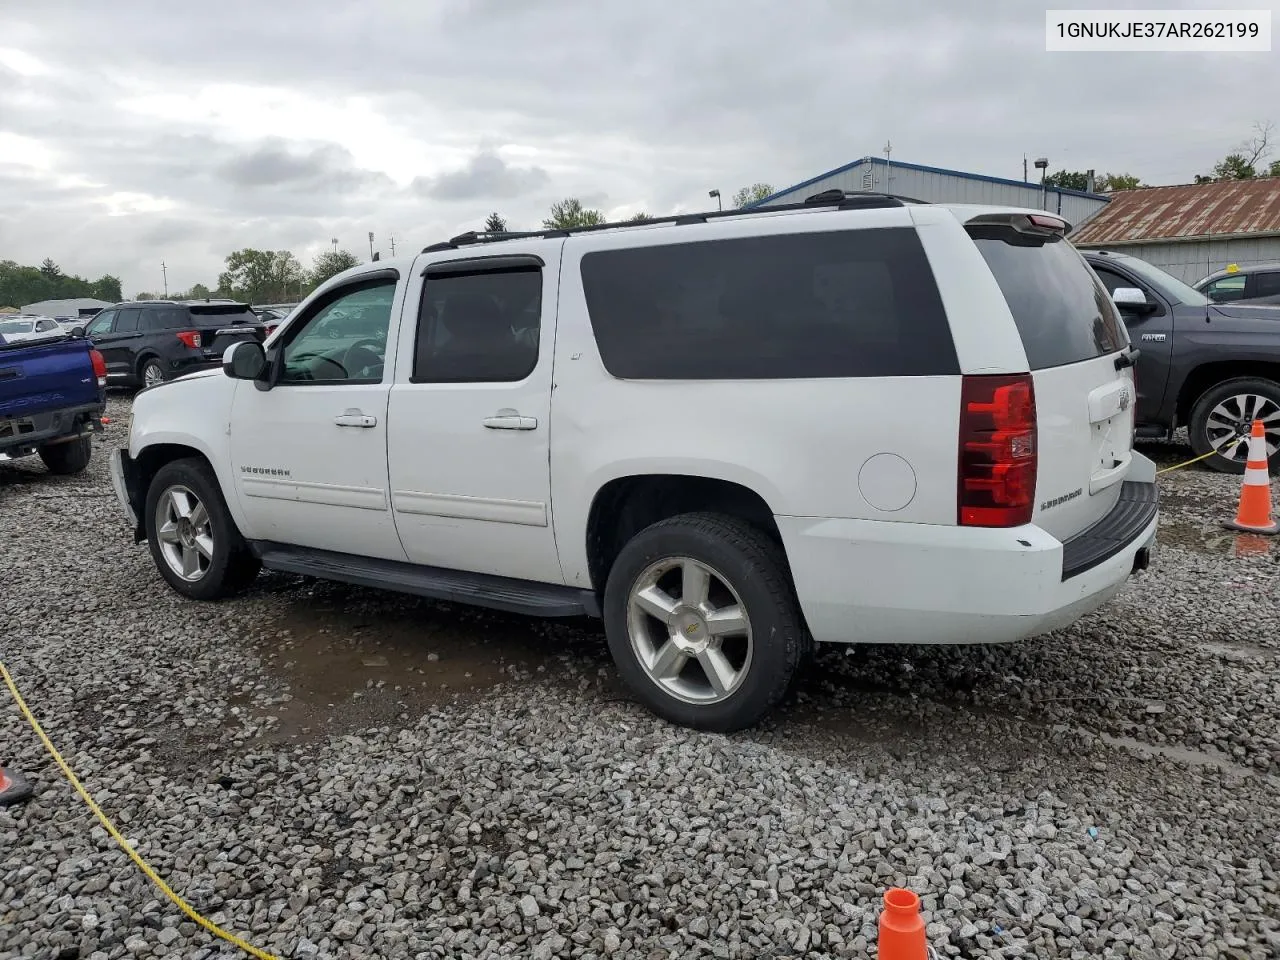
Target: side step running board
[435,583]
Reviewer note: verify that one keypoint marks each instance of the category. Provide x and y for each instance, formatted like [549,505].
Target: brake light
[997,470]
[271,328]
[191,338]
[1049,223]
[99,368]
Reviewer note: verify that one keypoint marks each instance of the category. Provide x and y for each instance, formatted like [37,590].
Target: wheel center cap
[186,532]
[689,631]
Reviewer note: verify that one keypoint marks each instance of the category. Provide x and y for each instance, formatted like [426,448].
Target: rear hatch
[222,324]
[38,377]
[1081,365]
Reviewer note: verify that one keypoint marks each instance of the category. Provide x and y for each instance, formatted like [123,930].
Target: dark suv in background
[150,341]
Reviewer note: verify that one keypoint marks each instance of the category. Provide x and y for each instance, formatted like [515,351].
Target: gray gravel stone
[1030,792]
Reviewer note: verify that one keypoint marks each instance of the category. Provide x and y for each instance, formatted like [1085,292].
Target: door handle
[354,418]
[511,422]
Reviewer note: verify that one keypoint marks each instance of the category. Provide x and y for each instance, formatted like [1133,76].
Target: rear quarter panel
[40,377]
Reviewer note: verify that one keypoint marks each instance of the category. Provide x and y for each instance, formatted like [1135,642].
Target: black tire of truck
[747,568]
[71,457]
[231,567]
[1225,398]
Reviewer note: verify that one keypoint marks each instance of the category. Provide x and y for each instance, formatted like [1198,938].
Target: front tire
[65,459]
[193,540]
[703,622]
[1221,418]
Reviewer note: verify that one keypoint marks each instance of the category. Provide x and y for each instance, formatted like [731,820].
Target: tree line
[20,285]
[1246,160]
[266,276]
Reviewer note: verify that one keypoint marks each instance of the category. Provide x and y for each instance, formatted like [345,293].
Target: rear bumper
[26,434]
[863,581]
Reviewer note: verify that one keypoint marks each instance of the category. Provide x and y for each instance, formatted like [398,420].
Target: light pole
[334,241]
[165,273]
[1042,164]
[370,244]
[719,203]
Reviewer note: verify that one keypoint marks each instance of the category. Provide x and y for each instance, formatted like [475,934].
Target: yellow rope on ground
[1187,463]
[142,865]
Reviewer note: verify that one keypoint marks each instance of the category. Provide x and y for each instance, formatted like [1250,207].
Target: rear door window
[852,303]
[127,321]
[1062,310]
[1267,284]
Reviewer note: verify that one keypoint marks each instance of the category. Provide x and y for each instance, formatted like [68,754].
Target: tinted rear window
[1062,310]
[855,303]
[1268,285]
[222,317]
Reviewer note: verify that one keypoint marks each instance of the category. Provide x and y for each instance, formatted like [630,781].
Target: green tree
[20,285]
[495,224]
[146,295]
[1244,159]
[261,276]
[330,264]
[751,194]
[1118,181]
[198,291]
[107,287]
[641,217]
[1234,166]
[569,213]
[1068,180]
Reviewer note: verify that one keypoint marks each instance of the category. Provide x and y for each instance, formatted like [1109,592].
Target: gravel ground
[334,772]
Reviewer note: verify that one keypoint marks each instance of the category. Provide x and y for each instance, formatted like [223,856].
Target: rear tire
[193,539]
[726,658]
[151,373]
[65,459]
[1230,403]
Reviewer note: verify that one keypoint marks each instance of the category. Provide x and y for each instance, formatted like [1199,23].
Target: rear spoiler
[1018,228]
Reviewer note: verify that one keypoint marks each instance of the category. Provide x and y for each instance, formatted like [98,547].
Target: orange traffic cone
[1254,515]
[901,927]
[14,787]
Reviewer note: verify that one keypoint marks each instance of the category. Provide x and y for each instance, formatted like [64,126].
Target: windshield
[1169,285]
[15,327]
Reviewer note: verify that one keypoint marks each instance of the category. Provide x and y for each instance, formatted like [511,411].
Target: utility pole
[392,240]
[165,273]
[370,244]
[1024,168]
[888,180]
[334,241]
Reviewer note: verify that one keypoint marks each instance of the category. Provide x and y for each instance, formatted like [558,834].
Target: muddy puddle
[1217,540]
[347,660]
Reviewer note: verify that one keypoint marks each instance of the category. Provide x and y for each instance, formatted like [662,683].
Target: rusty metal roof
[1227,208]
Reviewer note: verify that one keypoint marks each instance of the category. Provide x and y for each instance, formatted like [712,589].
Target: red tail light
[997,475]
[271,328]
[191,338]
[99,367]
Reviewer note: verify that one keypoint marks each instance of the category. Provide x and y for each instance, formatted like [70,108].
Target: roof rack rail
[832,199]
[857,199]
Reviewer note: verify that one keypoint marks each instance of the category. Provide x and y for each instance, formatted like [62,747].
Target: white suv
[855,419]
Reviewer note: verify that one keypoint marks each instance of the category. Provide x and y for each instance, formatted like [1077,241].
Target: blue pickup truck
[53,391]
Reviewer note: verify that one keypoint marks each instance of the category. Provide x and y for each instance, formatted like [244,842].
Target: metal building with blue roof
[935,185]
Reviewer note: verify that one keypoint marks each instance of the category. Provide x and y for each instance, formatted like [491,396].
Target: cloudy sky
[138,131]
